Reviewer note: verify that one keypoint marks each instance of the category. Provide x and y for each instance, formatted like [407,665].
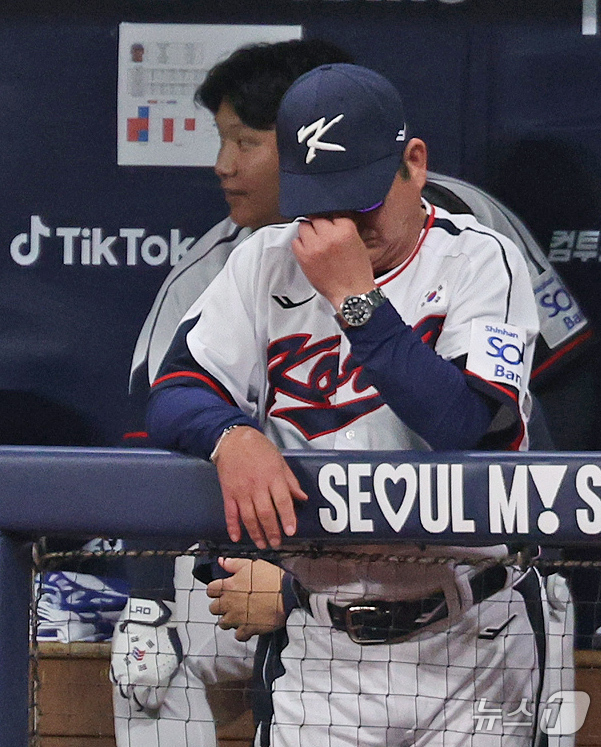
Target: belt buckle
[360,631]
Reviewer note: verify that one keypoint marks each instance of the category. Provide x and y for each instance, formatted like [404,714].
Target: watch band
[357,310]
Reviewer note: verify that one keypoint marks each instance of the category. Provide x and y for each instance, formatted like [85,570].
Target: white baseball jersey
[285,362]
[268,341]
[186,281]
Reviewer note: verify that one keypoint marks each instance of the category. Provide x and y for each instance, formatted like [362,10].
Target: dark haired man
[157,701]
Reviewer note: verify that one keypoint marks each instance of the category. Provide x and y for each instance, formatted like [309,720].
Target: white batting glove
[146,652]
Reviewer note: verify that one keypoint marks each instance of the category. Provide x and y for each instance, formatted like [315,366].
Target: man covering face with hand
[365,324]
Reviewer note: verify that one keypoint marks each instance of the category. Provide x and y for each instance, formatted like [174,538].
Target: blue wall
[506,96]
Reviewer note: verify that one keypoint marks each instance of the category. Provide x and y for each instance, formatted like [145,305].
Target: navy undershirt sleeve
[191,419]
[430,395]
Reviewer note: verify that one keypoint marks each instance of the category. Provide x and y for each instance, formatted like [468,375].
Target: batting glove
[146,652]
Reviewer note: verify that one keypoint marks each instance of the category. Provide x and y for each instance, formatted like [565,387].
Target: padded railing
[445,498]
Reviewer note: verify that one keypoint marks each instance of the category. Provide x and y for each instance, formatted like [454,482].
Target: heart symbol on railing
[406,473]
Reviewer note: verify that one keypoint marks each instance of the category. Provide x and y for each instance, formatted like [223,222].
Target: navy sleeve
[429,394]
[191,419]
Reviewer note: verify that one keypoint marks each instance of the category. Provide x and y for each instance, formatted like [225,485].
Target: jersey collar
[428,221]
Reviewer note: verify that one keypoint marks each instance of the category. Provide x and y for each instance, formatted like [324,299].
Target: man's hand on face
[250,600]
[334,258]
[258,487]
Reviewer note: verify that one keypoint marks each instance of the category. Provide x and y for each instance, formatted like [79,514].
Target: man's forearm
[191,419]
[427,393]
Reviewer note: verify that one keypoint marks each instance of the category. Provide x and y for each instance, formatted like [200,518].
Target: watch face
[356,311]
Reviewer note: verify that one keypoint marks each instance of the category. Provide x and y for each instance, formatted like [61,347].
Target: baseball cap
[341,134]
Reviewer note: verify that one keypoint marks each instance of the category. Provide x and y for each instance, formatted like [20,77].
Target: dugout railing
[523,499]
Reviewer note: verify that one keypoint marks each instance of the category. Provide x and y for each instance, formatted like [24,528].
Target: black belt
[368,622]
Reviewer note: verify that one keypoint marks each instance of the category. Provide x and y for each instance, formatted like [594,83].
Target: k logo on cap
[316,130]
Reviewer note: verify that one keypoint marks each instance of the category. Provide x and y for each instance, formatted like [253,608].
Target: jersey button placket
[341,440]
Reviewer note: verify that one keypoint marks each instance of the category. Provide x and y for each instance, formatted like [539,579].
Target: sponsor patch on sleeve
[559,314]
[496,352]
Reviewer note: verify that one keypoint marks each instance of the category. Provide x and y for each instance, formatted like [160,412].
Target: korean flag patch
[436,296]
[497,352]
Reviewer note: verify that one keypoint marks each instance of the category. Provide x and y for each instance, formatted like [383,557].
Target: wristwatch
[355,311]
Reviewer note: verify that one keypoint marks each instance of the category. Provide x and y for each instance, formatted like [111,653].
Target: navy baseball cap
[341,135]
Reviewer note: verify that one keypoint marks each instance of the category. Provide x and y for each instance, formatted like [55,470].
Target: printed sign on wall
[160,67]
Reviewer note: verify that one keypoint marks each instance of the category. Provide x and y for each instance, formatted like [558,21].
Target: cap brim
[339,191]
